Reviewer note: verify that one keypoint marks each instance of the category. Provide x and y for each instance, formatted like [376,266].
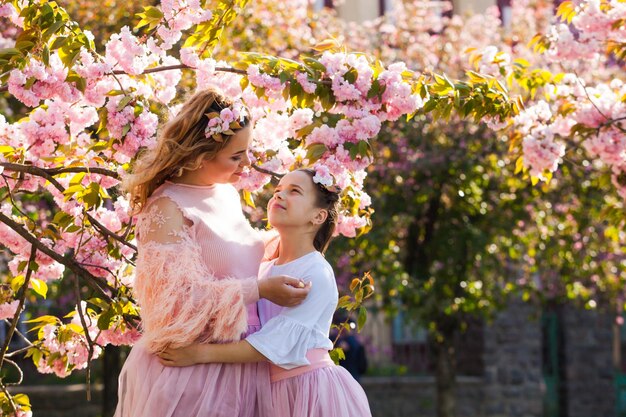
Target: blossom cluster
[594,24]
[351,79]
[64,347]
[226,122]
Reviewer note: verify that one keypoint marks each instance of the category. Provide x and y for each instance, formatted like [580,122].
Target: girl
[196,270]
[305,381]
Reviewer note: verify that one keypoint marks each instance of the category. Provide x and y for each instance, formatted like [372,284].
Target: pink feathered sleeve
[181,301]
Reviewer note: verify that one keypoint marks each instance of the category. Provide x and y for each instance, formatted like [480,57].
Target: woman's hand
[284,290]
[185,356]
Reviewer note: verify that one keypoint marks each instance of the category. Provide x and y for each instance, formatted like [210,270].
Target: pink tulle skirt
[328,391]
[149,389]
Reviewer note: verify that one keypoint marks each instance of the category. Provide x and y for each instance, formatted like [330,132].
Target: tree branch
[103,230]
[30,169]
[7,394]
[19,371]
[46,173]
[266,171]
[81,315]
[91,280]
[180,66]
[20,334]
[22,298]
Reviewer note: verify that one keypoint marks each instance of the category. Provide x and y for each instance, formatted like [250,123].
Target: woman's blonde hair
[181,145]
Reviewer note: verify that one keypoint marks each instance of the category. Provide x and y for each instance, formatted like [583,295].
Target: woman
[197,264]
[304,380]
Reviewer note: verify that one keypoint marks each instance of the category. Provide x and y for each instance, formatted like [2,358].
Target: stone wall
[415,396]
[63,400]
[512,357]
[589,387]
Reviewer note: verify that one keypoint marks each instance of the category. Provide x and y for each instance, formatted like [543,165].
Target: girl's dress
[202,287]
[304,380]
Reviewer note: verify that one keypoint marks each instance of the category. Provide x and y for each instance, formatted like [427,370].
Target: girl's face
[294,202]
[227,165]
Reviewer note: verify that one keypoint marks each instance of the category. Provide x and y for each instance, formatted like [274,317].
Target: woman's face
[294,202]
[227,165]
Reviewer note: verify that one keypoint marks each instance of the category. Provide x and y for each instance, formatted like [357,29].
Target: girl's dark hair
[328,200]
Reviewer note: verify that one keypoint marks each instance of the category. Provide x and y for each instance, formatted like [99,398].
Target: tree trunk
[112,365]
[446,377]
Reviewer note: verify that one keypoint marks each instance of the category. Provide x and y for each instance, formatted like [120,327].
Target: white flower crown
[324,178]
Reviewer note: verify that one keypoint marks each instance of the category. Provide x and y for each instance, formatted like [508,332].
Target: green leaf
[59,42]
[62,219]
[362,318]
[153,12]
[23,401]
[73,228]
[430,105]
[124,102]
[519,164]
[337,355]
[39,286]
[247,197]
[68,55]
[43,319]
[9,52]
[105,319]
[77,178]
[364,148]
[315,152]
[29,82]
[53,29]
[99,302]
[343,301]
[45,55]
[17,282]
[306,130]
[351,75]
[23,45]
[73,189]
[91,197]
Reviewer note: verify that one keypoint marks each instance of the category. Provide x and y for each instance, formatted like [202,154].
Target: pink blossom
[304,82]
[325,135]
[609,145]
[348,225]
[272,85]
[125,50]
[541,154]
[166,81]
[118,336]
[7,310]
[299,119]
[272,131]
[49,83]
[9,11]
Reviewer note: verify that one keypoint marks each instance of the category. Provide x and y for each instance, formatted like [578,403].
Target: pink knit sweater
[197,266]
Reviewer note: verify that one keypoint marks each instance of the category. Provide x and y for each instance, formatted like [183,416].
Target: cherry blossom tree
[87,109]
[466,216]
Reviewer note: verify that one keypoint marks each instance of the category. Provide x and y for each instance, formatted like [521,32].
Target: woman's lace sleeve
[181,301]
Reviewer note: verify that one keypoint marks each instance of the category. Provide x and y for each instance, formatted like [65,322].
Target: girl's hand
[185,356]
[284,290]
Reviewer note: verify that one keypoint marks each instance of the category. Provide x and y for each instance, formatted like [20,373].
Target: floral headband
[324,178]
[226,122]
